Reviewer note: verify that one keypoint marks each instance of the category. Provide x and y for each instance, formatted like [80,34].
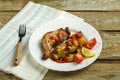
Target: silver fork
[22,32]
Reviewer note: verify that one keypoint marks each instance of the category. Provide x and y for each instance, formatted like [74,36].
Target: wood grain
[100,20]
[18,53]
[5,76]
[74,5]
[5,17]
[97,71]
[111,44]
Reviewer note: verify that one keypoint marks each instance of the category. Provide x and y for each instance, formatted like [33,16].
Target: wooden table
[104,15]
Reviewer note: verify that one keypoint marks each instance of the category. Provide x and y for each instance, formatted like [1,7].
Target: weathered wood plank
[5,17]
[101,71]
[100,20]
[81,5]
[5,76]
[111,44]
[96,71]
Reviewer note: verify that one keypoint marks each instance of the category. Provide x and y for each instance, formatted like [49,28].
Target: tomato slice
[90,44]
[66,59]
[78,58]
[59,61]
[78,35]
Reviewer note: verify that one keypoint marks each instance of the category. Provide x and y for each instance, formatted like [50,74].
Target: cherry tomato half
[90,44]
[78,58]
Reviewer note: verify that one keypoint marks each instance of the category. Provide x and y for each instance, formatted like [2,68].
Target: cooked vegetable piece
[75,42]
[78,58]
[72,48]
[62,46]
[79,50]
[77,35]
[66,59]
[59,61]
[71,57]
[55,56]
[90,44]
[61,53]
[82,41]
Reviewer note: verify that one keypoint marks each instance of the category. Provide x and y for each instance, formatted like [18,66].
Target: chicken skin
[53,38]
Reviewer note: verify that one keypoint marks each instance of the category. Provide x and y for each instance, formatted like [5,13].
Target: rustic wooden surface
[72,5]
[104,15]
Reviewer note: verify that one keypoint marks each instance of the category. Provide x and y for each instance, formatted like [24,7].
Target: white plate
[74,25]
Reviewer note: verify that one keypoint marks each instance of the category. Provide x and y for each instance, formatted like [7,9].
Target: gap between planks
[107,61]
[70,10]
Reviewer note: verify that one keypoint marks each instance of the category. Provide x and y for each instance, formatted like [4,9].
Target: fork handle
[17,57]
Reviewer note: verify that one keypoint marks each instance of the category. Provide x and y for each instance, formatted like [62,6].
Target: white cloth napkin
[32,14]
[28,69]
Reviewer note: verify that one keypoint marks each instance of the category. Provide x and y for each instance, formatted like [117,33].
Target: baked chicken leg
[53,38]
